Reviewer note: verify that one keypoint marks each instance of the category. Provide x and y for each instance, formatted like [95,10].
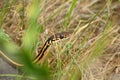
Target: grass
[3,12]
[69,13]
[79,57]
[15,75]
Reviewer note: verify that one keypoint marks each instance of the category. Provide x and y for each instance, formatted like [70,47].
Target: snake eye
[61,36]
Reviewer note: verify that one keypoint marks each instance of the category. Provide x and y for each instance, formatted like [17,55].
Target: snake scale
[52,39]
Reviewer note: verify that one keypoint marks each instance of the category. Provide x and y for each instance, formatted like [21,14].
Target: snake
[51,40]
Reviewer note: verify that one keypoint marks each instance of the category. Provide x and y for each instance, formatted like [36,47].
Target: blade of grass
[16,75]
[30,40]
[69,13]
[3,12]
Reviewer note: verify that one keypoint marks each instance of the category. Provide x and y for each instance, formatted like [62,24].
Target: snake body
[52,39]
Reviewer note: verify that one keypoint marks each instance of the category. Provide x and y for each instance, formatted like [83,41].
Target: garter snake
[52,39]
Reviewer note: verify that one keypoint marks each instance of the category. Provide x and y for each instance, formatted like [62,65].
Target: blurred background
[91,53]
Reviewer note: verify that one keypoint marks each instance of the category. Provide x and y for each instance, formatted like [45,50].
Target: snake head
[63,35]
[58,36]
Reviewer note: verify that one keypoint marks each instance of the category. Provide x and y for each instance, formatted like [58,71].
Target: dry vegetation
[93,50]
